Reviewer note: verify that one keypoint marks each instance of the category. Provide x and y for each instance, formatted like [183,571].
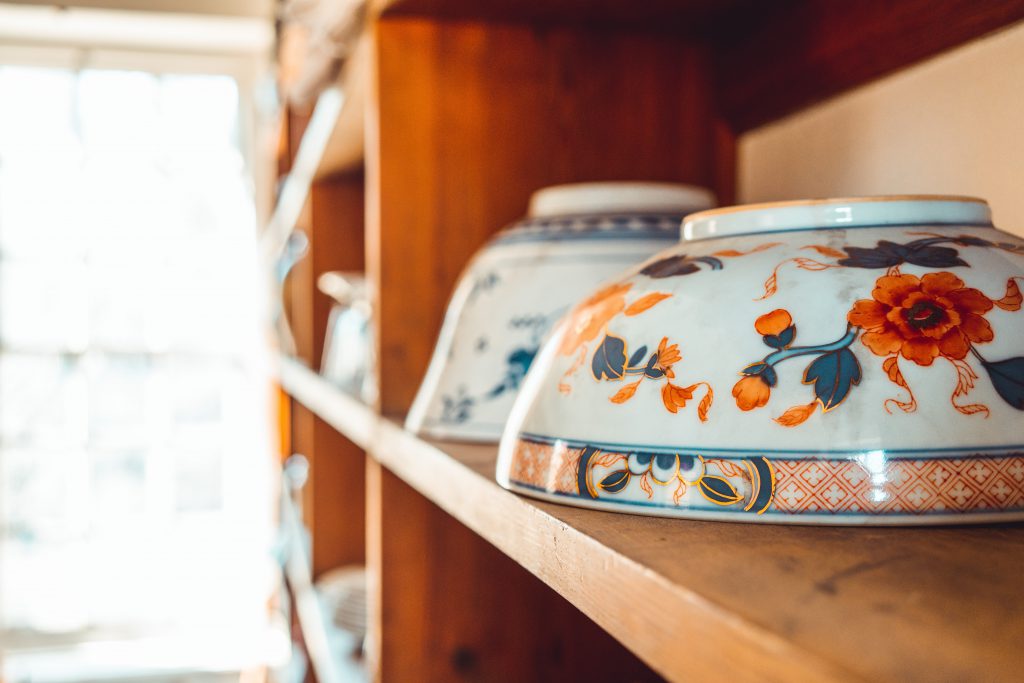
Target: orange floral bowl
[524,280]
[840,361]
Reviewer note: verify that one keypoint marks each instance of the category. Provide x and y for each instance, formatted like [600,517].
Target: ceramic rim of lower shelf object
[843,361]
[522,281]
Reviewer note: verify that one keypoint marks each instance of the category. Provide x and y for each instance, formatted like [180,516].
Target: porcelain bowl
[847,361]
[523,281]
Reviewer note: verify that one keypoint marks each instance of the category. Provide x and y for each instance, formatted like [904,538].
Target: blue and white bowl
[524,280]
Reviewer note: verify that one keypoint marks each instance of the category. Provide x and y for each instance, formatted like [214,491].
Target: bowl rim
[856,199]
[619,196]
[837,212]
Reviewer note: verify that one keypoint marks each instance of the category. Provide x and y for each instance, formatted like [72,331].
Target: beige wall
[954,124]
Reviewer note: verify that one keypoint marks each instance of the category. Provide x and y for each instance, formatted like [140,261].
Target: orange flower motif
[751,392]
[591,316]
[675,397]
[667,357]
[922,318]
[773,323]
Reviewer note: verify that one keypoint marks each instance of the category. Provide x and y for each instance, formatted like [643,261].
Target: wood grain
[721,601]
[467,119]
[338,465]
[337,240]
[334,507]
[782,56]
[731,601]
[452,607]
[675,15]
[345,413]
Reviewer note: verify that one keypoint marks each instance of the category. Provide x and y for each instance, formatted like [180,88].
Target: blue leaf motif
[1008,379]
[610,358]
[637,356]
[762,484]
[651,371]
[888,254]
[885,255]
[671,267]
[833,374]
[755,368]
[615,482]
[781,340]
[787,335]
[767,372]
[935,257]
[718,490]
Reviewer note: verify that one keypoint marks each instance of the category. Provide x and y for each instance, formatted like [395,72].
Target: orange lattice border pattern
[914,486]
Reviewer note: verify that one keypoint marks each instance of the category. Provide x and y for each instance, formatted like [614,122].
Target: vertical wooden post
[334,496]
[464,121]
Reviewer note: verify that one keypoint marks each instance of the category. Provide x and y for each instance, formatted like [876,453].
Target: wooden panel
[333,499]
[337,507]
[787,55]
[337,241]
[295,127]
[469,118]
[336,515]
[451,607]
[664,14]
[731,601]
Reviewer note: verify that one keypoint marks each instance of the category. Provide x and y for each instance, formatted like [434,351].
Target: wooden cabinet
[450,114]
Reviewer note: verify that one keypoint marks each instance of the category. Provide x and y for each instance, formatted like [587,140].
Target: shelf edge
[572,562]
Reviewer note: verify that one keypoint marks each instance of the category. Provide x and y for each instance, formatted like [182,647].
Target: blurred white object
[343,593]
[348,358]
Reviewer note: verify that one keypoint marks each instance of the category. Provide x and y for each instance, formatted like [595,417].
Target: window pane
[135,469]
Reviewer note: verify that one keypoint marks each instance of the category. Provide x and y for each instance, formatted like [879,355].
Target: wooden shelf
[347,414]
[345,146]
[818,48]
[730,601]
[469,107]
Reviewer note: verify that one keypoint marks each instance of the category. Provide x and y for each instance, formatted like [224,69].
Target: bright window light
[136,494]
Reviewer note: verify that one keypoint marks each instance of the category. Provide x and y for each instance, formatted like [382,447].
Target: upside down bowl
[841,361]
[527,277]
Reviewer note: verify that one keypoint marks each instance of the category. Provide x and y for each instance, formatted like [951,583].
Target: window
[135,465]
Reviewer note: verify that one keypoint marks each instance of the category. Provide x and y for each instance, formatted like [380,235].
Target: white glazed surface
[504,306]
[526,278]
[710,314]
[617,197]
